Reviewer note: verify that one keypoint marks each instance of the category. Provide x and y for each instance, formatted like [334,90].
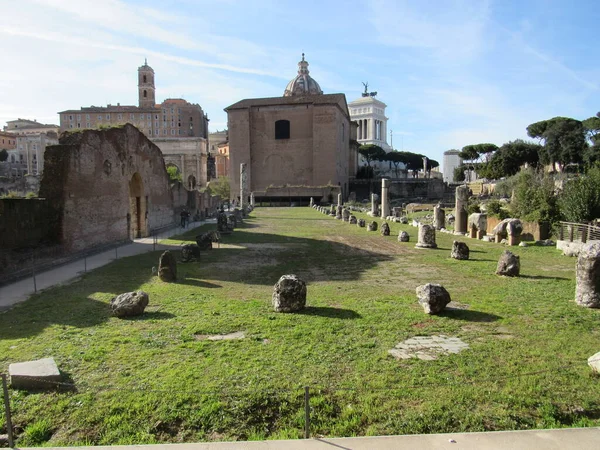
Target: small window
[282,129]
[144,79]
[145,93]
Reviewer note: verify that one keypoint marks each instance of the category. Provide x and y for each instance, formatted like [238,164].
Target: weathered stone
[426,236]
[312,203]
[439,219]
[374,206]
[460,250]
[372,226]
[204,241]
[39,374]
[352,220]
[403,237]
[385,188]
[427,348]
[477,225]
[587,288]
[361,223]
[433,297]
[345,215]
[338,213]
[462,199]
[509,264]
[404,220]
[289,294]
[167,267]
[129,304]
[190,252]
[594,362]
[385,229]
[508,227]
[332,210]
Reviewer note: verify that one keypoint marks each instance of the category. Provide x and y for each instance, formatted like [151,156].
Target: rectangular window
[132,116]
[100,117]
[70,117]
[78,125]
[119,116]
[87,125]
[172,132]
[157,132]
[164,131]
[87,117]
[78,116]
[149,124]
[108,117]
[70,125]
[149,116]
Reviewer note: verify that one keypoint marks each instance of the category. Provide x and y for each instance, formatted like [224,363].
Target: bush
[504,188]
[494,209]
[473,206]
[31,194]
[534,199]
[580,199]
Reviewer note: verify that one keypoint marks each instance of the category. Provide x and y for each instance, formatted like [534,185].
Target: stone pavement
[559,439]
[21,290]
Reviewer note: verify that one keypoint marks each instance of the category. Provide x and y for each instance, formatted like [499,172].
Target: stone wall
[409,189]
[106,186]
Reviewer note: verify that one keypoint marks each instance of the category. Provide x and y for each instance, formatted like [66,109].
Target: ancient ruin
[460,251]
[509,264]
[426,236]
[403,236]
[587,289]
[433,297]
[289,294]
[462,199]
[129,304]
[167,267]
[385,189]
[439,219]
[385,229]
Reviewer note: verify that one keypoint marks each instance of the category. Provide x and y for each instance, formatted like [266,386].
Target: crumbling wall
[106,186]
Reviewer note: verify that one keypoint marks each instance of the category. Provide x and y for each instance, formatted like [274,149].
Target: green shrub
[37,433]
[31,194]
[473,206]
[580,199]
[495,209]
[534,199]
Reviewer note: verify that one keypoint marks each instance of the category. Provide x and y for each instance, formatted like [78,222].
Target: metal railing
[578,232]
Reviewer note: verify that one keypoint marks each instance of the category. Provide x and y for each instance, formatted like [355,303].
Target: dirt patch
[220,337]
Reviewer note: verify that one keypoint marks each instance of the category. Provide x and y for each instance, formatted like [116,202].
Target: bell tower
[146,89]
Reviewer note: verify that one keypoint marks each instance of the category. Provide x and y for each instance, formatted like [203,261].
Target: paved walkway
[20,291]
[561,439]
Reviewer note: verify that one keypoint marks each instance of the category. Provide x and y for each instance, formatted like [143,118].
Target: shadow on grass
[542,277]
[150,315]
[333,313]
[469,315]
[198,283]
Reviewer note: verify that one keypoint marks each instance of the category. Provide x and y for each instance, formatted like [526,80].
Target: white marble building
[451,161]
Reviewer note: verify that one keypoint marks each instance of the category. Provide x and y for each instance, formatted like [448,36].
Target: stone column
[339,200]
[243,187]
[385,206]
[439,217]
[587,288]
[373,205]
[462,198]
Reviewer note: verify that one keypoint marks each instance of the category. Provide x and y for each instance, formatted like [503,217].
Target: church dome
[303,84]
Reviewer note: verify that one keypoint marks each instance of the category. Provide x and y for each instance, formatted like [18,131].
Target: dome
[303,84]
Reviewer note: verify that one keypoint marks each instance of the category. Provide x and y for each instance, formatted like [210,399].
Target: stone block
[39,374]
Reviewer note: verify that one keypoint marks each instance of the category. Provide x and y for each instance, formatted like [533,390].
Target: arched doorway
[138,207]
[174,172]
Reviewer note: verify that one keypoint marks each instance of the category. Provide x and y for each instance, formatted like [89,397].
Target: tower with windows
[146,89]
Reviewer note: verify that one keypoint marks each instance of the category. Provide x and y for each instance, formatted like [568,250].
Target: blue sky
[452,72]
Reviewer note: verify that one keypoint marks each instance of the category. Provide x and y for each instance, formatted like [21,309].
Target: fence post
[583,231]
[9,432]
[33,272]
[306,413]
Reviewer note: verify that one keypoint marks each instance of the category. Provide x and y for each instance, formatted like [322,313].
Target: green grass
[148,379]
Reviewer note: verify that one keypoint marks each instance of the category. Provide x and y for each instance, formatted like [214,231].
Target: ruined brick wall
[106,186]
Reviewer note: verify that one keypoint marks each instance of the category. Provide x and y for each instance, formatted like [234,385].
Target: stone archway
[138,207]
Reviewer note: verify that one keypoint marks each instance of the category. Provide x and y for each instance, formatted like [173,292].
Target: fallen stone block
[39,374]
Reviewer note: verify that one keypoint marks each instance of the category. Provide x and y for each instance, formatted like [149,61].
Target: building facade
[29,127]
[179,128]
[369,115]
[8,141]
[28,156]
[299,139]
[451,161]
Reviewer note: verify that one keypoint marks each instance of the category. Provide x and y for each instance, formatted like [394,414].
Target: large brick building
[300,139]
[177,127]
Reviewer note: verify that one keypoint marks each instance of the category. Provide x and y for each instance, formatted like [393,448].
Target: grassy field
[151,379]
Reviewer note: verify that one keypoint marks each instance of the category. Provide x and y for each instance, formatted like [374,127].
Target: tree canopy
[3,155]
[564,140]
[371,152]
[475,151]
[510,157]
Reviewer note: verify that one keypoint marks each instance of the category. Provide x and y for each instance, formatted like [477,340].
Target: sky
[452,72]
